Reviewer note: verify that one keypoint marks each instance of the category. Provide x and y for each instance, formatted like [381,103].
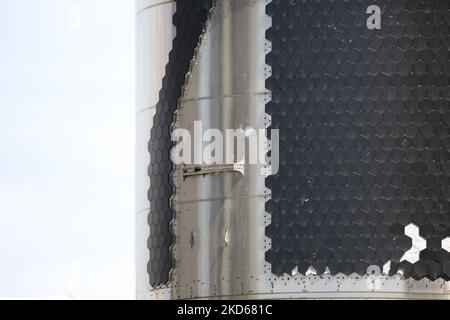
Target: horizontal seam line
[146,108]
[154,5]
[142,211]
[218,199]
[311,293]
[226,96]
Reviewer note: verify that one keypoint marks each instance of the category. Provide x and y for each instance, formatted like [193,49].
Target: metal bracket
[200,170]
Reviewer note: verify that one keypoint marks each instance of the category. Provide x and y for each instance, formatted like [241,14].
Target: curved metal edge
[175,173]
[143,5]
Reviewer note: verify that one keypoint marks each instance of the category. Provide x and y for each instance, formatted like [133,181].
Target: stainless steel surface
[218,225]
[154,35]
[231,59]
[220,219]
[224,113]
[225,258]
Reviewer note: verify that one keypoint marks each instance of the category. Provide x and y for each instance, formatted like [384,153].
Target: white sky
[67,148]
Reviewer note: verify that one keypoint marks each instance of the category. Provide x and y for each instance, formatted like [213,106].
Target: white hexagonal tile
[419,243]
[446,244]
[412,256]
[412,230]
[387,267]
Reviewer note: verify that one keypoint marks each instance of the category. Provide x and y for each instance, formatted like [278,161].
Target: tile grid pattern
[364,118]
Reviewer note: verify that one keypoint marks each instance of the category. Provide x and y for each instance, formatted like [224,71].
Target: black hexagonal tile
[372,130]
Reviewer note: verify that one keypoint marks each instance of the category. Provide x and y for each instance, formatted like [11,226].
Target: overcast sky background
[67,148]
